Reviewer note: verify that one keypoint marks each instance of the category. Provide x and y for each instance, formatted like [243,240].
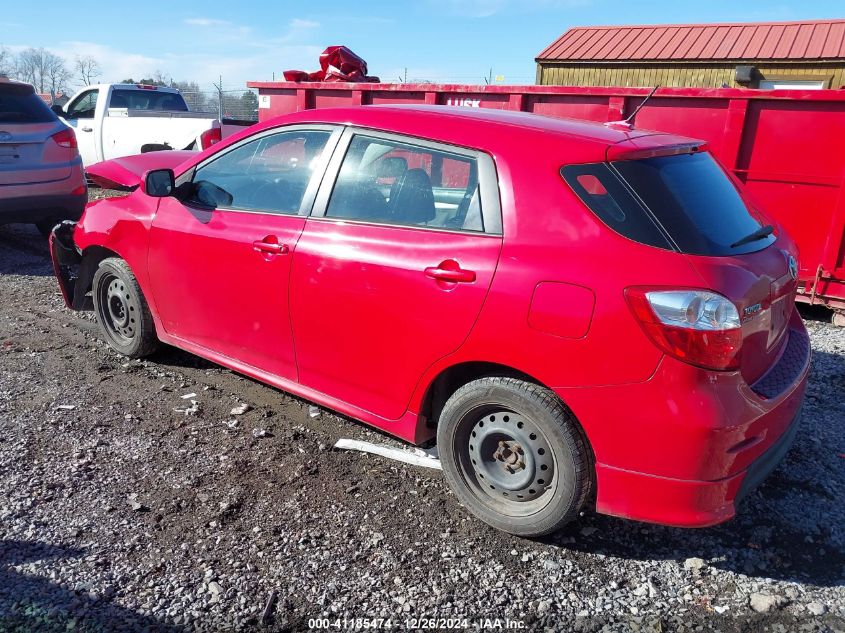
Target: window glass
[792,84]
[20,104]
[397,183]
[268,174]
[688,195]
[84,106]
[608,198]
[147,100]
[695,201]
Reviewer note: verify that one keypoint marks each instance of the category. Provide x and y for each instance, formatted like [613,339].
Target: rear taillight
[210,137]
[699,327]
[66,138]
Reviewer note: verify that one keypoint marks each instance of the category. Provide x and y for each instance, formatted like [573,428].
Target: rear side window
[147,100]
[606,196]
[685,198]
[391,182]
[20,104]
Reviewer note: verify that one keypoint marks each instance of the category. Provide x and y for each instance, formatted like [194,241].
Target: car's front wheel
[514,455]
[122,311]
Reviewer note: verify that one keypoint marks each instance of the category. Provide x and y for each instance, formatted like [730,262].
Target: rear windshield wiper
[761,233]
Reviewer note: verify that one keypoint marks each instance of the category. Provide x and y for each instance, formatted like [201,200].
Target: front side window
[268,174]
[84,106]
[391,182]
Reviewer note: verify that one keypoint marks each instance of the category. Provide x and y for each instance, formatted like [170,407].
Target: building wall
[683,74]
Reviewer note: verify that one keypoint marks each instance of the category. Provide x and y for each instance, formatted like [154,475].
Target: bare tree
[87,69]
[194,96]
[160,79]
[43,69]
[7,66]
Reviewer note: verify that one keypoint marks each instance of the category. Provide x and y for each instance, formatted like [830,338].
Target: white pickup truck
[115,120]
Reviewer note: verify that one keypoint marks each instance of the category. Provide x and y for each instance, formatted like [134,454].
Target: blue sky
[438,40]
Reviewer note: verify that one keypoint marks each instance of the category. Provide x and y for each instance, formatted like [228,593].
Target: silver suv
[41,176]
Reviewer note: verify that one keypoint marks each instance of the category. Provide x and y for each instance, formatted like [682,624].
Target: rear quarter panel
[551,237]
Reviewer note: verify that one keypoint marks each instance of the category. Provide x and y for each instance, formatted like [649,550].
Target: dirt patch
[119,505]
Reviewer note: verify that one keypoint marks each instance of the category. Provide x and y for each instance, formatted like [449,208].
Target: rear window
[685,197]
[147,100]
[20,104]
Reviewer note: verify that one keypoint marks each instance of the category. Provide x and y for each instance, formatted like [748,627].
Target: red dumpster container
[787,146]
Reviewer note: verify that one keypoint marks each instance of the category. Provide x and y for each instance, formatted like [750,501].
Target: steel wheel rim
[118,309]
[506,460]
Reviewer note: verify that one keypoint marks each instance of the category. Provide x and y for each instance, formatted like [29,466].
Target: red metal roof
[822,39]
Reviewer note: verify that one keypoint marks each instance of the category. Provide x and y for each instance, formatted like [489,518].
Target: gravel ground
[123,506]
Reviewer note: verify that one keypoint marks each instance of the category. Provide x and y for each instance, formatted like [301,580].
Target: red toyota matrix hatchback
[578,313]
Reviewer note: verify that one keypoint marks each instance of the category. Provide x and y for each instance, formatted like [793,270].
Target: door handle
[87,129]
[274,248]
[452,273]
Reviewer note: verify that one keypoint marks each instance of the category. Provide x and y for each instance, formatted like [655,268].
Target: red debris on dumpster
[337,63]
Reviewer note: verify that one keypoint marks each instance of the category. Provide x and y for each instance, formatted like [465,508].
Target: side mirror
[58,110]
[159,183]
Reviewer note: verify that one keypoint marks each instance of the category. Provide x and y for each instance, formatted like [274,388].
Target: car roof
[8,81]
[476,127]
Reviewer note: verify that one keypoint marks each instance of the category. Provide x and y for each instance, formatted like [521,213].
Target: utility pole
[219,88]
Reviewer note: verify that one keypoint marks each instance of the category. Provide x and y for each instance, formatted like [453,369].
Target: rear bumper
[684,447]
[685,503]
[40,207]
[62,199]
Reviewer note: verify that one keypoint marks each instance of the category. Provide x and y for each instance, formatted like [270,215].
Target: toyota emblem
[793,267]
[5,136]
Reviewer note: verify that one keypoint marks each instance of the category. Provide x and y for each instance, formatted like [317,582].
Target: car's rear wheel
[121,309]
[514,455]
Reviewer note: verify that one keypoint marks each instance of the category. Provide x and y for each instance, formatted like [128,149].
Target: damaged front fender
[69,268]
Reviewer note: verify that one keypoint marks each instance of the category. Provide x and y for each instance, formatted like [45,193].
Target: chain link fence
[238,104]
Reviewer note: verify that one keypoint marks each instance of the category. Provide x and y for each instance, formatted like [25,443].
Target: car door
[81,113]
[392,267]
[220,253]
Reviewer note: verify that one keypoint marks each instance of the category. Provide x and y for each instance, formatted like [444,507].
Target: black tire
[122,311]
[528,490]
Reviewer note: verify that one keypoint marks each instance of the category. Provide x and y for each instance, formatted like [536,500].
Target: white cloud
[471,8]
[115,64]
[214,48]
[486,8]
[220,29]
[205,22]
[203,68]
[299,23]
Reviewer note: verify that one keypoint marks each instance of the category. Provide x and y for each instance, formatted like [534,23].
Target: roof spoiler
[652,146]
